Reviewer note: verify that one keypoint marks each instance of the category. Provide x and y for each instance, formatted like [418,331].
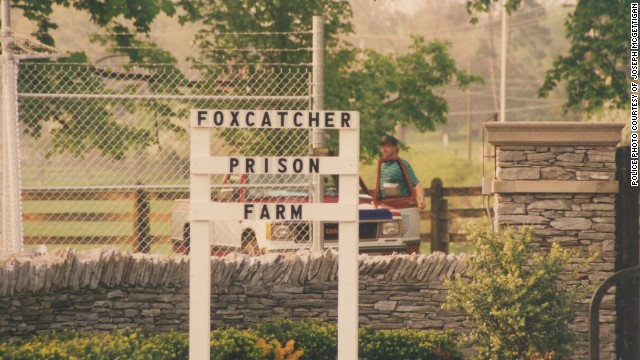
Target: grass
[155,248]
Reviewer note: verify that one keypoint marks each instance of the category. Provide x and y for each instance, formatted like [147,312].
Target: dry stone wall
[107,289]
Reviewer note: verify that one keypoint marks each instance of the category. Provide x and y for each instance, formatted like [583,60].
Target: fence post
[439,218]
[443,227]
[317,135]
[142,226]
[11,202]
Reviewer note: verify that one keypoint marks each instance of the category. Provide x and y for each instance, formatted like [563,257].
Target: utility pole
[469,117]
[318,145]
[503,60]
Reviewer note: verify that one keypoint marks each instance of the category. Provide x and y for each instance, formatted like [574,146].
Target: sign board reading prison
[274,165]
[203,210]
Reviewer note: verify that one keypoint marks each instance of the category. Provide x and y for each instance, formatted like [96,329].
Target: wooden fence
[141,215]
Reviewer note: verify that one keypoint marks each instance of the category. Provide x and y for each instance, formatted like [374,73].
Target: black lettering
[233,162]
[280,212]
[218,118]
[234,118]
[346,117]
[295,119]
[246,119]
[314,165]
[266,121]
[297,166]
[328,119]
[264,214]
[283,165]
[296,212]
[202,116]
[282,115]
[249,163]
[314,121]
[248,209]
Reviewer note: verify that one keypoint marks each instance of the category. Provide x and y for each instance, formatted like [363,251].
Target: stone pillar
[559,177]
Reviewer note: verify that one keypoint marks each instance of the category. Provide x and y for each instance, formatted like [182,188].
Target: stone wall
[107,289]
[560,179]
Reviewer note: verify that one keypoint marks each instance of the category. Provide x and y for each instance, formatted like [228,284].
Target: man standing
[391,172]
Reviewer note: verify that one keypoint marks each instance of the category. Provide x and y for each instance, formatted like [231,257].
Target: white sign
[274,165]
[203,209]
[278,119]
[272,211]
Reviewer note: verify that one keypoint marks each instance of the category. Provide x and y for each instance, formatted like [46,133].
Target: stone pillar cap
[553,133]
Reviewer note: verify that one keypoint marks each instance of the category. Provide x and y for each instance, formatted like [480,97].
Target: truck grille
[367,231]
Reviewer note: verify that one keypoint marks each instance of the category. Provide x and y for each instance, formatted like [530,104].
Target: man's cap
[388,140]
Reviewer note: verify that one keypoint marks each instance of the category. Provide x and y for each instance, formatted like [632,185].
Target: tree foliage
[81,124]
[386,89]
[389,89]
[595,70]
[103,13]
[518,300]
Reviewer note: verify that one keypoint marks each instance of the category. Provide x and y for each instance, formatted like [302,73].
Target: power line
[485,112]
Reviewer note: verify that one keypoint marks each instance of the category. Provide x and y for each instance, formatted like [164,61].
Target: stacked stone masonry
[107,290]
[556,162]
[582,222]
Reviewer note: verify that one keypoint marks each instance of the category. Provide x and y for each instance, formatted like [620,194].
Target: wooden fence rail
[141,217]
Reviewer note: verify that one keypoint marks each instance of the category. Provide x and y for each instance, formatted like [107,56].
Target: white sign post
[203,209]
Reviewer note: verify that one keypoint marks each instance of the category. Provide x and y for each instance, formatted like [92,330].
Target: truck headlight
[280,231]
[390,228]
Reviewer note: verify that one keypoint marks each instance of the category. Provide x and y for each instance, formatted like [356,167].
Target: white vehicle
[386,225]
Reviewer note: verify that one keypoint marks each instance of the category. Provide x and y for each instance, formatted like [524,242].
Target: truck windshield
[265,186]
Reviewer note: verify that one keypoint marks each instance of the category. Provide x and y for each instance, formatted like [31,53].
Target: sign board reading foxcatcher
[203,210]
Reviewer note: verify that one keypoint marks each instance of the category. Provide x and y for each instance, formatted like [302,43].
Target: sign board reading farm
[203,210]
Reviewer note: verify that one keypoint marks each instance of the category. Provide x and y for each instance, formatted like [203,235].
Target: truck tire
[250,243]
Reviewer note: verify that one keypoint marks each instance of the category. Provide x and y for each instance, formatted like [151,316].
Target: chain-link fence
[105,155]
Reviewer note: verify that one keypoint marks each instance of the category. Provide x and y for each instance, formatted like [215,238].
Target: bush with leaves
[311,339]
[316,337]
[517,299]
[406,344]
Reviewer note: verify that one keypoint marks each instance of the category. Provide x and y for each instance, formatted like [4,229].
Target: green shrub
[518,302]
[232,344]
[74,345]
[406,344]
[167,346]
[302,340]
[316,337]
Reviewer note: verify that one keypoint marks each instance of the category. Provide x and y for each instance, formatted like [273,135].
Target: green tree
[81,124]
[386,89]
[390,89]
[103,13]
[595,69]
[517,299]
